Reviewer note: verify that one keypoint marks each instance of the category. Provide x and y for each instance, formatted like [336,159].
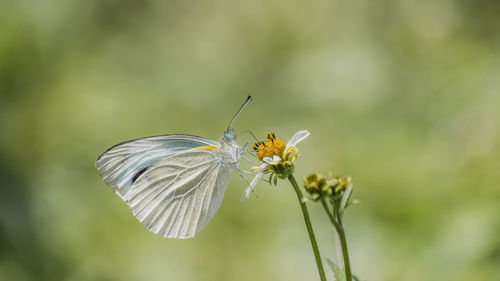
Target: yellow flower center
[272,146]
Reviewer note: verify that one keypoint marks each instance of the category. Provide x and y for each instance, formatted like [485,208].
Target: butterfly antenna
[249,99]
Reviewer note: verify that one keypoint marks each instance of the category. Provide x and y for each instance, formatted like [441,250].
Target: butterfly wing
[122,164]
[173,184]
[179,195]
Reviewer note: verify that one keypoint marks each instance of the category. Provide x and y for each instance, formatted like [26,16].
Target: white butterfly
[173,184]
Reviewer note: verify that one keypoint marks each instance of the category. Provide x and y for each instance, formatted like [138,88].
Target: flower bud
[315,183]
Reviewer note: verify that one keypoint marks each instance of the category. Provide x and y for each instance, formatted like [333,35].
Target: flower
[273,146]
[315,184]
[341,183]
[318,186]
[278,158]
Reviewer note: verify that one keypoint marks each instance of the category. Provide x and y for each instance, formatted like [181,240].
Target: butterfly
[174,183]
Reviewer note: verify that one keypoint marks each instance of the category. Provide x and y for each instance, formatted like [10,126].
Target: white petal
[298,137]
[254,182]
[272,161]
[246,194]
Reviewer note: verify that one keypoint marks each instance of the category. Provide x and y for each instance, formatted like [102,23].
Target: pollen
[272,146]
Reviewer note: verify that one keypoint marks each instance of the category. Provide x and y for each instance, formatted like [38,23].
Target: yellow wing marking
[206,147]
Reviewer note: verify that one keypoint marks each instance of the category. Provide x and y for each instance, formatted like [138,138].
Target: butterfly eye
[230,136]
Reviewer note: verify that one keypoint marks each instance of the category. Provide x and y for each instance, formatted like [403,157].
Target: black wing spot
[139,173]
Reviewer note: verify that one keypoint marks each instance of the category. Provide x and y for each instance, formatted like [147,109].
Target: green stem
[310,231]
[343,242]
[330,215]
[347,264]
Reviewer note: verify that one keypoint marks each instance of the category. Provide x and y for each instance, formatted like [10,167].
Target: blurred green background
[402,95]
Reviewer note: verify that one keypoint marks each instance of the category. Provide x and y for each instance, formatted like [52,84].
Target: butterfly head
[229,136]
[229,145]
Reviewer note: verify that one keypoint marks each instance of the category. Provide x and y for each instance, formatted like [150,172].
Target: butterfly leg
[244,146]
[253,174]
[240,173]
[248,150]
[250,132]
[249,160]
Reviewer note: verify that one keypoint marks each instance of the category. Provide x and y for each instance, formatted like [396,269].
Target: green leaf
[345,199]
[337,271]
[275,180]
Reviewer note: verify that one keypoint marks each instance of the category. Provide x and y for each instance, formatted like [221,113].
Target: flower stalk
[277,160]
[345,253]
[310,231]
[335,192]
[343,241]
